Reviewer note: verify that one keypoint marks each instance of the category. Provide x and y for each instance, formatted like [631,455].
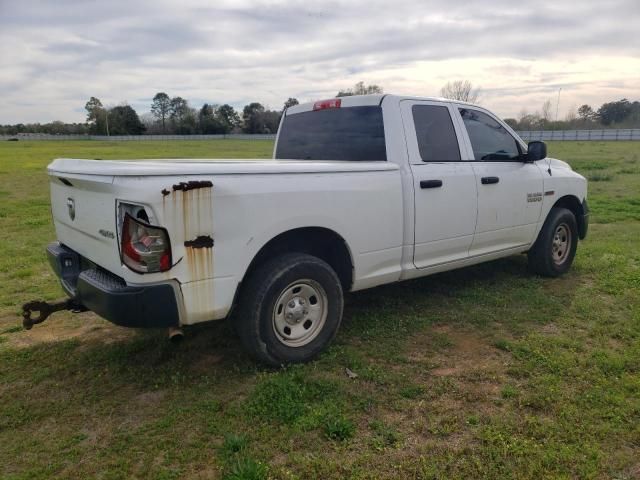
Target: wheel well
[317,241]
[577,208]
[571,203]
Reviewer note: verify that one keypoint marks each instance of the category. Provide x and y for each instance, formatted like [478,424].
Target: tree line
[617,114]
[174,115]
[167,115]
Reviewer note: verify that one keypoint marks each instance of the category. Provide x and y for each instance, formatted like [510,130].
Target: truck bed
[237,206]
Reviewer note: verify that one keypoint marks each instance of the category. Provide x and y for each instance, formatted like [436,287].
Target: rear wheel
[555,248]
[290,309]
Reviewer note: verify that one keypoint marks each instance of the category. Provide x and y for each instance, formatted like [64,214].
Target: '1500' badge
[534,197]
[71,208]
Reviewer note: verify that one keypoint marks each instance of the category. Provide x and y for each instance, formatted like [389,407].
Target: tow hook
[45,309]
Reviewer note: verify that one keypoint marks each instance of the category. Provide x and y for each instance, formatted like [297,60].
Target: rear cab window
[346,133]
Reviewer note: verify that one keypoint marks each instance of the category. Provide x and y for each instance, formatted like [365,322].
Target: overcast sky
[55,54]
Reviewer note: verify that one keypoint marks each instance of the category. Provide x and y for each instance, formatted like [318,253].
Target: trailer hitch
[45,309]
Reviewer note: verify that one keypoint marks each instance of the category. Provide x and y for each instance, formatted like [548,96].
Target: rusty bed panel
[188,211]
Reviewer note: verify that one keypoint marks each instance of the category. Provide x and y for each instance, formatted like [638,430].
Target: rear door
[509,189]
[444,185]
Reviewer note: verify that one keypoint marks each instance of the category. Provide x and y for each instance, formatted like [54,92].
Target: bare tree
[529,121]
[546,111]
[461,90]
[152,127]
[360,89]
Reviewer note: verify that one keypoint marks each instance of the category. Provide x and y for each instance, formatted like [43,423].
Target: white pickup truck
[362,191]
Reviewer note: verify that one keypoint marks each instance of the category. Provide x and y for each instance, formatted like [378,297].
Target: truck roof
[365,100]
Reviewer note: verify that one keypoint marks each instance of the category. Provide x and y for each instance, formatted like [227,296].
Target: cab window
[489,139]
[437,139]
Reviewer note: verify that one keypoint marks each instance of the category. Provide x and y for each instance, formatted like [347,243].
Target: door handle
[489,180]
[430,183]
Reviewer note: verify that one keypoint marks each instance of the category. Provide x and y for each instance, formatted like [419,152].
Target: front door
[444,185]
[510,190]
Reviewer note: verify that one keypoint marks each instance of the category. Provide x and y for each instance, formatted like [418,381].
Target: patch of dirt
[206,363]
[469,354]
[67,326]
[444,372]
[150,398]
[462,374]
[207,473]
[550,329]
[566,285]
[634,472]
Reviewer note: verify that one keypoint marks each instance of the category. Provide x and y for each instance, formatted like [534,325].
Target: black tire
[275,281]
[553,252]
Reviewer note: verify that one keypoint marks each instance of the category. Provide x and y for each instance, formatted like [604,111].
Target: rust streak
[198,193]
[192,185]
[193,268]
[202,241]
[185,214]
[209,263]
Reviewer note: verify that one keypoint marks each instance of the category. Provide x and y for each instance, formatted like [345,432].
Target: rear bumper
[104,293]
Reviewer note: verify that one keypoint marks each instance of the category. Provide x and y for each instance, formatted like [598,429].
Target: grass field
[482,372]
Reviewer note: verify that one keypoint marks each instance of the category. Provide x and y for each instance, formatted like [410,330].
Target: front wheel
[555,248]
[290,309]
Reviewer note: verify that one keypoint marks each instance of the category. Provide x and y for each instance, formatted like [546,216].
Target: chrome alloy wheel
[561,244]
[300,313]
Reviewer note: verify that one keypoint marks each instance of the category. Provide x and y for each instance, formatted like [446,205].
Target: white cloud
[55,55]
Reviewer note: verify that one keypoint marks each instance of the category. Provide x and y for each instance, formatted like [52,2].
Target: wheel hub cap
[295,310]
[300,313]
[561,243]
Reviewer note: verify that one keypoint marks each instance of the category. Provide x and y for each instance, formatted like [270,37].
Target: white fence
[133,138]
[581,135]
[544,135]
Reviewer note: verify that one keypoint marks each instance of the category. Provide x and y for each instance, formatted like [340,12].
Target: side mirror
[536,151]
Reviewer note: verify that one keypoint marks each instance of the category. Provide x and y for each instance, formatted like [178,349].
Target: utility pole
[558,103]
[106,119]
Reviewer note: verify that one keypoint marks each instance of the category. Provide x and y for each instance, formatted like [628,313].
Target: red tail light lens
[324,104]
[144,248]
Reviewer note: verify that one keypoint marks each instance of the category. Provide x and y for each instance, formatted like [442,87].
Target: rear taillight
[144,248]
[324,104]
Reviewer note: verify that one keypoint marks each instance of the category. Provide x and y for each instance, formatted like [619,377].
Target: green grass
[599,177]
[484,372]
[613,169]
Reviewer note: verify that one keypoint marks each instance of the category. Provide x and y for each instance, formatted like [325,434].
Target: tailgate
[85,205]
[84,215]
